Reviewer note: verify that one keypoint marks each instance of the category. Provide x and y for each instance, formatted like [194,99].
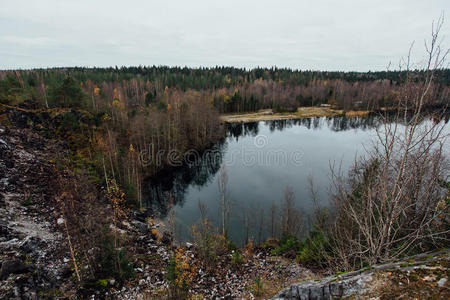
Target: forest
[229,89]
[105,119]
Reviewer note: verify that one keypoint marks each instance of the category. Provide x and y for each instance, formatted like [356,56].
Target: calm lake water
[260,159]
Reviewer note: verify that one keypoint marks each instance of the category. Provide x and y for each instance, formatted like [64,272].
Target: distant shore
[302,112]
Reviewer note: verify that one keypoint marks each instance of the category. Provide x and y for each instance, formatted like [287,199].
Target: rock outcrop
[328,288]
[424,275]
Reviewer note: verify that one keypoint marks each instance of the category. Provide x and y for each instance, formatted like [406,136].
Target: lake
[261,159]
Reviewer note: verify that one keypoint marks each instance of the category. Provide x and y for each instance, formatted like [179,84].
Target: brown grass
[267,115]
[357,113]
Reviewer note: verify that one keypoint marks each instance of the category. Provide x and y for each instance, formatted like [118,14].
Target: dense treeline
[217,77]
[229,89]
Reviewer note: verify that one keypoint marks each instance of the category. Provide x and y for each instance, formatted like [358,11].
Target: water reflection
[338,123]
[169,186]
[236,130]
[256,190]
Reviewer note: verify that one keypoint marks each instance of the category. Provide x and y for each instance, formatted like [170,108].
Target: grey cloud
[327,35]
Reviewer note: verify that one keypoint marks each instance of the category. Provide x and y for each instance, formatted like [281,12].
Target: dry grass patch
[268,115]
[357,113]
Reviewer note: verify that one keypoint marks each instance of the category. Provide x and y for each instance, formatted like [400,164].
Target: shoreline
[302,112]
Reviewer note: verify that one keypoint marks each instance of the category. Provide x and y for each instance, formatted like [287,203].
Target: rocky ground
[32,257]
[35,259]
[224,281]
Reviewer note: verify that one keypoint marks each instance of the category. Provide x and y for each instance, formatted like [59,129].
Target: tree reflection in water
[168,187]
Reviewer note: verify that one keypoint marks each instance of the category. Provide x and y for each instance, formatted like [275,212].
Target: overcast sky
[345,35]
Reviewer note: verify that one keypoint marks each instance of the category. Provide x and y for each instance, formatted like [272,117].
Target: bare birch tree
[395,199]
